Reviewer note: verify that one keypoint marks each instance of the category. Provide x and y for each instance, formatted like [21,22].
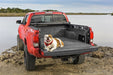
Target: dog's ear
[50,36]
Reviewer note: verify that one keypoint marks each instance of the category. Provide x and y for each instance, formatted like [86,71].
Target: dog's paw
[62,46]
[49,51]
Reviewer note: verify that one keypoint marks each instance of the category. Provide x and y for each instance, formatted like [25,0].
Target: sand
[96,63]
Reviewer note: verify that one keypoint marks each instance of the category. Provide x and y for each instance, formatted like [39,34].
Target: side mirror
[18,22]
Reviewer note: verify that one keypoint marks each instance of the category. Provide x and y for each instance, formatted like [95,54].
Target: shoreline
[12,62]
[23,14]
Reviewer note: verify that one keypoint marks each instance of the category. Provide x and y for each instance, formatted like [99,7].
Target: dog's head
[48,38]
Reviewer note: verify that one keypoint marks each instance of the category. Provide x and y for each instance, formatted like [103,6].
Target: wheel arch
[25,41]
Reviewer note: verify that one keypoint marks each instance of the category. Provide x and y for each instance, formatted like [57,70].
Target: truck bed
[71,47]
[76,39]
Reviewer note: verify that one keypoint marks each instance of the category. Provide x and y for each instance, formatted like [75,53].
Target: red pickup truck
[78,39]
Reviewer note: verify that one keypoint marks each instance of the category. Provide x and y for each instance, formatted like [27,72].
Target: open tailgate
[71,47]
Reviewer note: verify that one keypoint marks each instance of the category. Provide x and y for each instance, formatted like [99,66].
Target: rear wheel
[78,59]
[20,45]
[64,59]
[29,60]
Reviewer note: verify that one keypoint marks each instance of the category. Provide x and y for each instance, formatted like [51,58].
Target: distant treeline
[49,10]
[18,10]
[21,12]
[86,13]
[15,10]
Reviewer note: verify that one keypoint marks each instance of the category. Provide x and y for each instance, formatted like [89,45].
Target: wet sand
[96,63]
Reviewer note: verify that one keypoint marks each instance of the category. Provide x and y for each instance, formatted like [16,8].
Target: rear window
[50,18]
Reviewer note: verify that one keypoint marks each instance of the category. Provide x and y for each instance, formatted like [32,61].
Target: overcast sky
[101,6]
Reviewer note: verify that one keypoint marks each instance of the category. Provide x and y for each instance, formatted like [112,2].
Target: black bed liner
[70,34]
[71,47]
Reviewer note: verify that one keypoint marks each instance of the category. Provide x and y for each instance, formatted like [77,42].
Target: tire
[78,59]
[20,45]
[29,60]
[64,59]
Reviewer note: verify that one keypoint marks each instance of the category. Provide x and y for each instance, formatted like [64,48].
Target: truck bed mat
[71,47]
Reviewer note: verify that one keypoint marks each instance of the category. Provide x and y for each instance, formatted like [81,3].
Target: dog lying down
[51,43]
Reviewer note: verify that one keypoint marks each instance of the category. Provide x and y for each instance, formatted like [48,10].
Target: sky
[86,6]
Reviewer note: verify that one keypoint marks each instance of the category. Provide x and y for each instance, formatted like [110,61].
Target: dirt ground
[96,63]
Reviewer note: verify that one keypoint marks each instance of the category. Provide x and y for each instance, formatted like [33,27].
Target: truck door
[22,27]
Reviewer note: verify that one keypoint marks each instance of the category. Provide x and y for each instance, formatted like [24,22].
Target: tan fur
[62,43]
[50,36]
[58,42]
[53,43]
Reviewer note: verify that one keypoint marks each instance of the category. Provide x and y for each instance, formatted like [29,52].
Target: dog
[51,43]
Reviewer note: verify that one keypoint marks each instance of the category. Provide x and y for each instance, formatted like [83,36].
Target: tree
[50,10]
[15,10]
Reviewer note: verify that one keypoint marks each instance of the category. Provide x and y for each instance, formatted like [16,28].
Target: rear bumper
[70,52]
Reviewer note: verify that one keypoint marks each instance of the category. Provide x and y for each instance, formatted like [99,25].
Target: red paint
[91,36]
[29,35]
[36,38]
[91,33]
[92,43]
[85,53]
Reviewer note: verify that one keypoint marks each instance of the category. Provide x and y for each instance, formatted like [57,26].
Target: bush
[15,10]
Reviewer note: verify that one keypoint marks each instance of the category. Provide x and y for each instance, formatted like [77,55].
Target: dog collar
[48,43]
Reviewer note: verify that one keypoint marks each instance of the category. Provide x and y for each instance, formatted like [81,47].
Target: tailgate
[71,47]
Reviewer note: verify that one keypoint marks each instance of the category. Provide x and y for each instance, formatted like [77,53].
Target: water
[102,26]
[8,32]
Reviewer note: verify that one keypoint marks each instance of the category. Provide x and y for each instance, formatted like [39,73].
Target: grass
[86,13]
[12,14]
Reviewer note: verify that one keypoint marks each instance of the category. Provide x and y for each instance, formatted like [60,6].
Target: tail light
[36,40]
[91,36]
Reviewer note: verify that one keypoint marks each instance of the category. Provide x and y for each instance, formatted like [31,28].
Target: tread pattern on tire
[79,59]
[29,60]
[20,45]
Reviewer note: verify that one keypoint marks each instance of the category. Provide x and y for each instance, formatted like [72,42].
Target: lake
[102,26]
